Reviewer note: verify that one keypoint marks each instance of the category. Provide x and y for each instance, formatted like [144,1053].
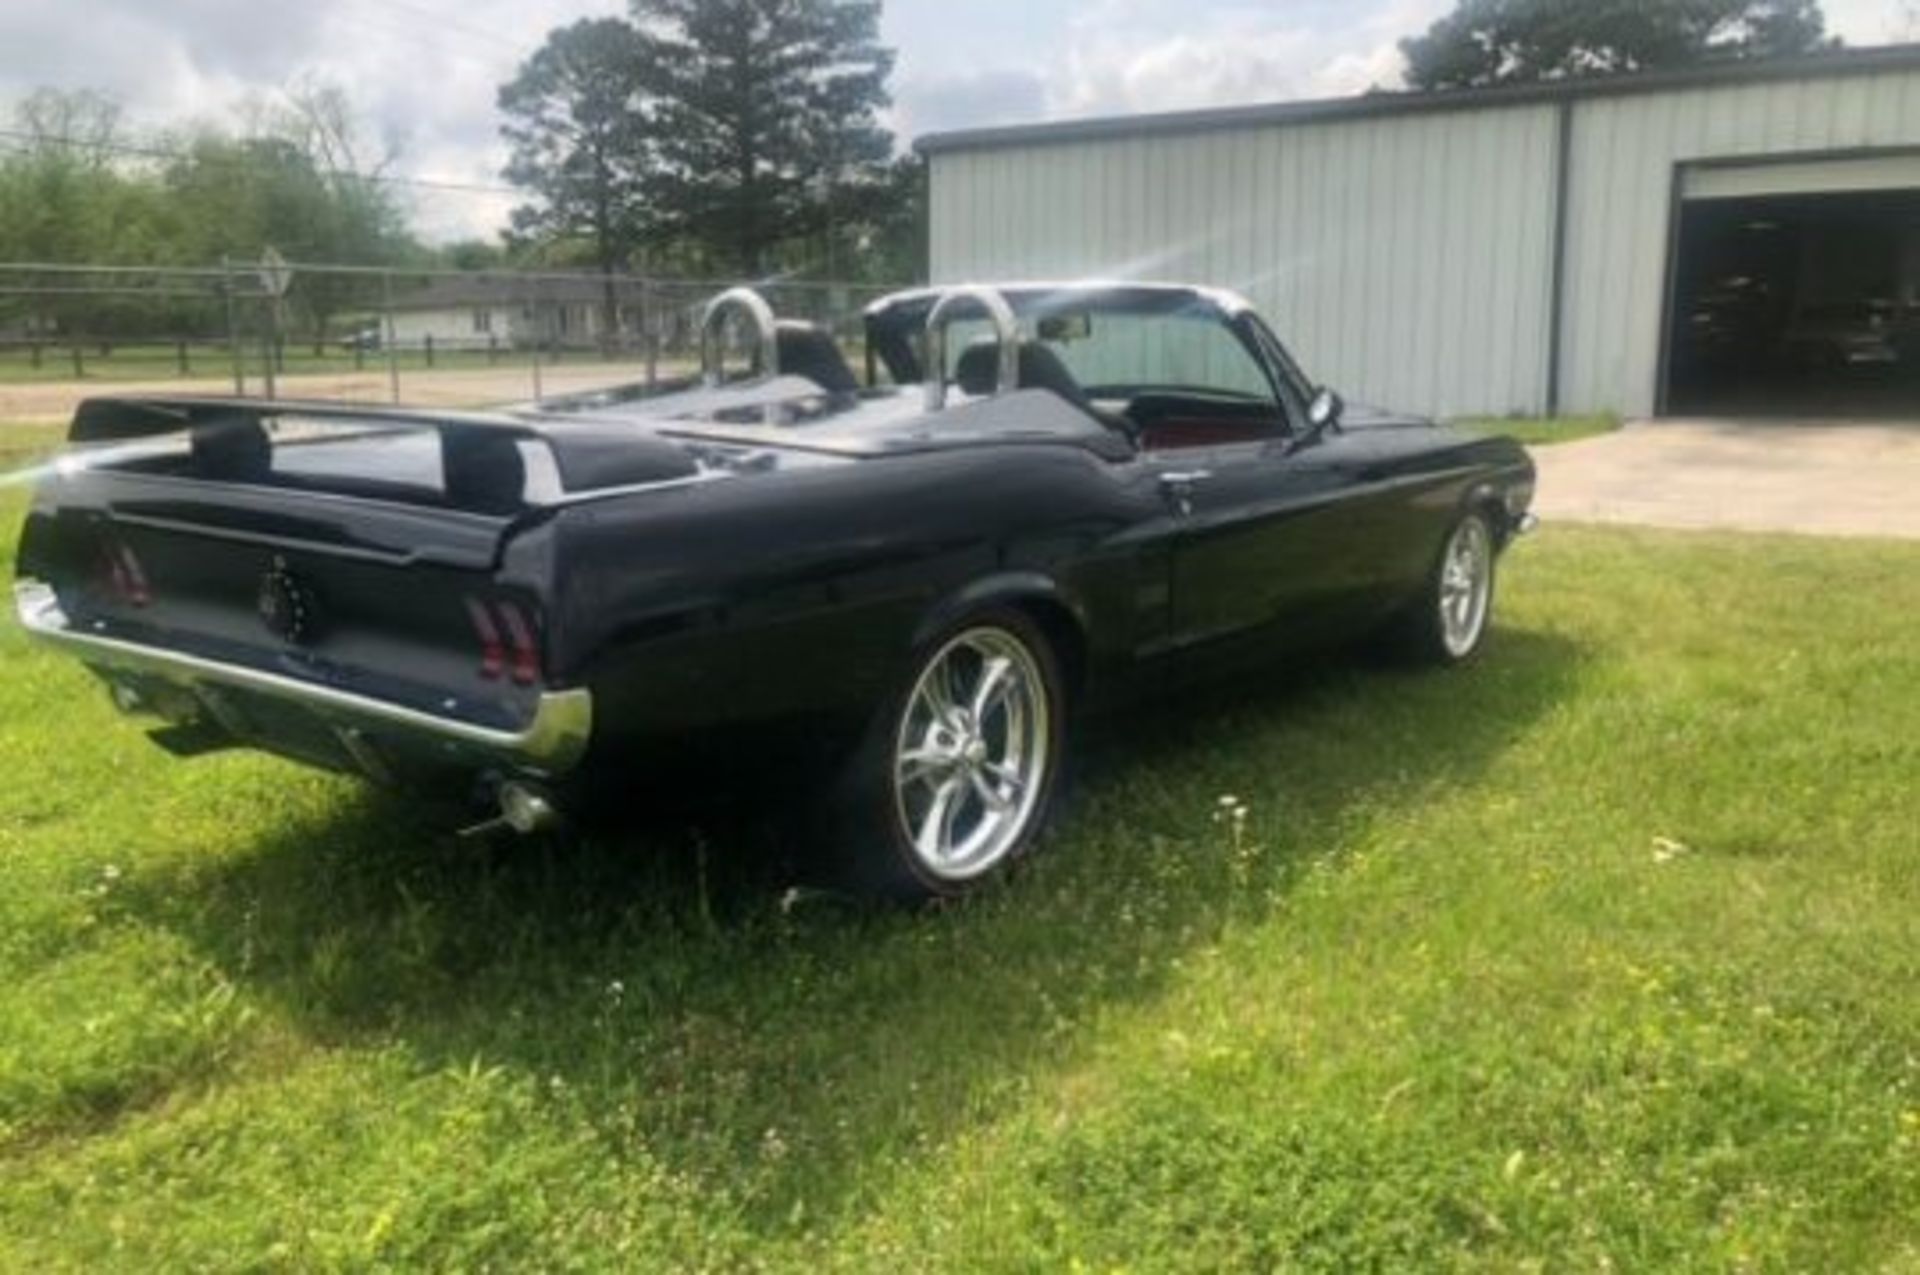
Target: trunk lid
[363,550]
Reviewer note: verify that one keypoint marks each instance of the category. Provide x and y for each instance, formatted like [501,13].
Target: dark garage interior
[1797,305]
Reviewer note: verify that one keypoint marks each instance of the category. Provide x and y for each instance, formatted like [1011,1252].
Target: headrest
[482,469]
[805,350]
[1039,369]
[235,450]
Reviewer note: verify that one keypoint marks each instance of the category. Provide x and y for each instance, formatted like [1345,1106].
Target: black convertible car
[1035,501]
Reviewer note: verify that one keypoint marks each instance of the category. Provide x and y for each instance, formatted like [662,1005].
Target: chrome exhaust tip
[524,809]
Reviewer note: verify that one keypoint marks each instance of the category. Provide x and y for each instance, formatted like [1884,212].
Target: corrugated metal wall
[1620,192]
[1404,261]
[1408,259]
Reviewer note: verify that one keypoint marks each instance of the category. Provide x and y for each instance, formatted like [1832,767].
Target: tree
[294,182]
[581,130]
[766,109]
[355,219]
[1488,42]
[878,230]
[720,135]
[290,173]
[65,200]
[80,124]
[470,254]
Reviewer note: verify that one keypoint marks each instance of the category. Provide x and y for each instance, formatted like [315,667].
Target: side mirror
[1324,412]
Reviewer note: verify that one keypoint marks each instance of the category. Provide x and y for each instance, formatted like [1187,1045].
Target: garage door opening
[1796,304]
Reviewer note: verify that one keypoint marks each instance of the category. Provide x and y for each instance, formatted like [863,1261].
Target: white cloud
[1156,55]
[1873,21]
[966,99]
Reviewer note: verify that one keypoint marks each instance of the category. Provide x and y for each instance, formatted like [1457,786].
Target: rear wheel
[957,772]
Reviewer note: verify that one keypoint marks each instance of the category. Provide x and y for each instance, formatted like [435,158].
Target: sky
[423,73]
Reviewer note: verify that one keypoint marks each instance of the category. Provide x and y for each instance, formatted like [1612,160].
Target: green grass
[1540,431]
[1604,952]
[22,442]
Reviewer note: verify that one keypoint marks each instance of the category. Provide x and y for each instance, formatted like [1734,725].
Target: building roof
[1835,62]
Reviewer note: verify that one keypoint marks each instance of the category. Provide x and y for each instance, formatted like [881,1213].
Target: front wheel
[957,772]
[1448,622]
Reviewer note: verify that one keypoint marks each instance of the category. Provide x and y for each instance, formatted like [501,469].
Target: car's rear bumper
[277,711]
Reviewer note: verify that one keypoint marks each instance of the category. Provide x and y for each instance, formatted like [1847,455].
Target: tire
[931,806]
[1447,624]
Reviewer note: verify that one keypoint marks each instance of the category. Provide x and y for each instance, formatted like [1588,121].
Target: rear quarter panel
[798,595]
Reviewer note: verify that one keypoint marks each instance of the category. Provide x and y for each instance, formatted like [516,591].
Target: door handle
[1177,485]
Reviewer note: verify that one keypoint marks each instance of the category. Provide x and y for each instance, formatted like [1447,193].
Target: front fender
[1507,489]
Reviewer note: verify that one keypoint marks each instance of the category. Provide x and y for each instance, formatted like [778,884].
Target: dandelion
[1666,849]
[1232,812]
[1230,809]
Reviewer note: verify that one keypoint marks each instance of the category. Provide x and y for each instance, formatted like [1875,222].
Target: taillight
[125,575]
[526,653]
[492,657]
[504,629]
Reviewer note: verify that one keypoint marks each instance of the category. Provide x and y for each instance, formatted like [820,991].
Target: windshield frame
[896,324]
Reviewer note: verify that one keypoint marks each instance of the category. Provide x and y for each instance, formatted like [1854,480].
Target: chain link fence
[429,337]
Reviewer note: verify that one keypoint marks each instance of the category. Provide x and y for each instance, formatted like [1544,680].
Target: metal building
[1641,244]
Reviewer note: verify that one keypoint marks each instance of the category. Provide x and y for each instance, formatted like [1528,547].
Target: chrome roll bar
[758,312]
[1006,331]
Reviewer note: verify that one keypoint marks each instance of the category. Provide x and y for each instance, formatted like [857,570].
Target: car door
[1258,541]
[1262,544]
[1397,507]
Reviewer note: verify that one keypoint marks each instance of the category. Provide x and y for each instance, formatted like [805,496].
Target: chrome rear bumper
[550,743]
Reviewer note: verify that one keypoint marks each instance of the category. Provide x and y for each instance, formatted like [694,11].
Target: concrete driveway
[1841,479]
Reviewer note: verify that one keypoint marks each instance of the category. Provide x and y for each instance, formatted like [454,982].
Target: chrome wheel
[972,752]
[1466,585]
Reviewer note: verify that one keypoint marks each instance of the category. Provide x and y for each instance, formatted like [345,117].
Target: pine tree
[766,110]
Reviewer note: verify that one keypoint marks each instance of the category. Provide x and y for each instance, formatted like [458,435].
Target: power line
[26,142]
[446,23]
[387,26]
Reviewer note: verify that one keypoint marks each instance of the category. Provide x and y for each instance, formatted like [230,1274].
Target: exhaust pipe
[524,809]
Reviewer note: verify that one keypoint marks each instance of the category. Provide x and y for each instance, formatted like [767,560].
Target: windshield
[1119,355]
[1116,354]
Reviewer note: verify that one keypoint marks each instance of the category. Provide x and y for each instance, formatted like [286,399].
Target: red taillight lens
[526,652]
[503,627]
[493,657]
[125,575]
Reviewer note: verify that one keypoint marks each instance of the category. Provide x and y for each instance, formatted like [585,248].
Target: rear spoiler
[117,418]
[485,461]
